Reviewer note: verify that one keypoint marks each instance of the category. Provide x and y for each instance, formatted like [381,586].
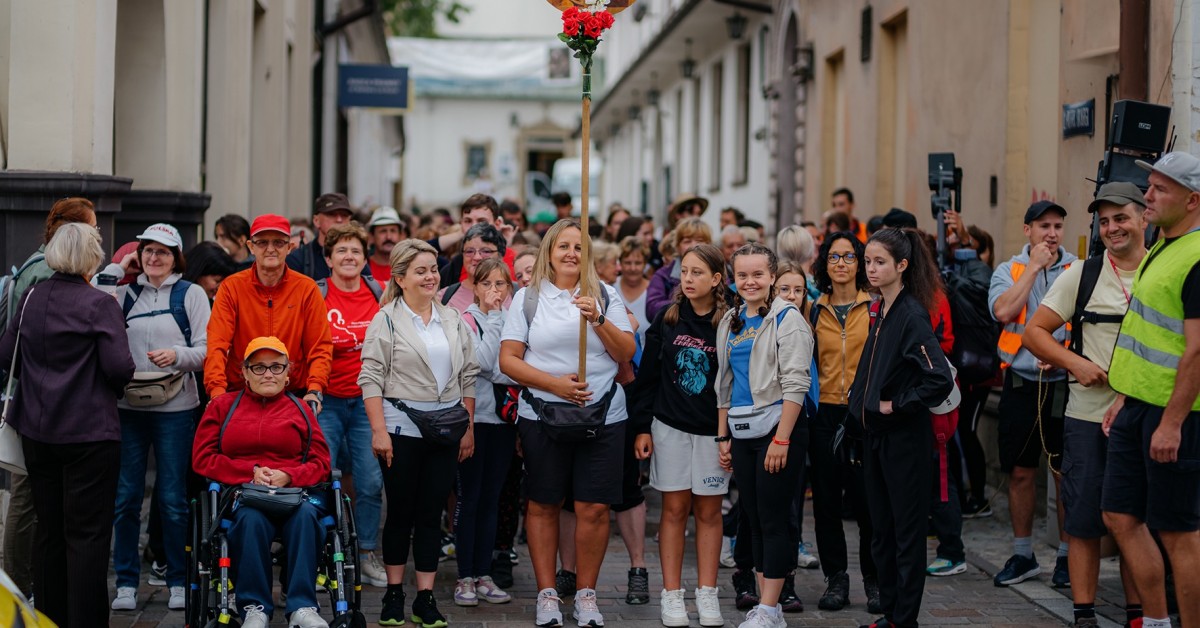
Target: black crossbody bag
[570,423]
[273,501]
[440,427]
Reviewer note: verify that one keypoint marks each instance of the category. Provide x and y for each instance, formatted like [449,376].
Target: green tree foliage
[418,18]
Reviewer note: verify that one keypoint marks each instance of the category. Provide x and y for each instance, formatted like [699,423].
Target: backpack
[8,283]
[175,307]
[1083,296]
[626,372]
[449,293]
[812,398]
[976,333]
[372,284]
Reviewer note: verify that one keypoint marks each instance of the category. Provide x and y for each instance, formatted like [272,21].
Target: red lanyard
[1120,282]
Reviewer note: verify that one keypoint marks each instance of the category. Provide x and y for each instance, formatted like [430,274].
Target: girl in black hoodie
[904,374]
[675,386]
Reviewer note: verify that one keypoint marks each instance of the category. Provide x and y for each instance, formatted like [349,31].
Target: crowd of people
[490,375]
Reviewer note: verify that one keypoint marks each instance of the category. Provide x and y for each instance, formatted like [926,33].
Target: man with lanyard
[1093,296]
[1153,477]
[1034,396]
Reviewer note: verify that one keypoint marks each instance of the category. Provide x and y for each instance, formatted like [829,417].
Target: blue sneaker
[1017,569]
[946,567]
[1062,573]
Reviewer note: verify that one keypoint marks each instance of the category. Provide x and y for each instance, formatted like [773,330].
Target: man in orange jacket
[268,299]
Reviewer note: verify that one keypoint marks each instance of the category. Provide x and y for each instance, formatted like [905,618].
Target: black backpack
[976,333]
[1087,285]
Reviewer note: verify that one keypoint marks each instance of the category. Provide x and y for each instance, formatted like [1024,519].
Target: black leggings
[421,476]
[766,499]
[973,400]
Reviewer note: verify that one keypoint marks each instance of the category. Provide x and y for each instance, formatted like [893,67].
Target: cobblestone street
[968,599]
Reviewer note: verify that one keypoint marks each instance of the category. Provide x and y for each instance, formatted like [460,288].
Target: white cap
[163,234]
[384,216]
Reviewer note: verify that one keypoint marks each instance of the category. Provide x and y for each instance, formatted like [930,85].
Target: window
[715,154]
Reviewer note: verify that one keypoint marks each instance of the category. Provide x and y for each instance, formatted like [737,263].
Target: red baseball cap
[271,222]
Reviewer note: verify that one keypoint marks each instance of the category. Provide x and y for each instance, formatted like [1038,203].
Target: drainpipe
[1133,56]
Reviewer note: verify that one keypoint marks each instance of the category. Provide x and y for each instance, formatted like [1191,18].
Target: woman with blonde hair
[796,244]
[419,356]
[688,233]
[572,432]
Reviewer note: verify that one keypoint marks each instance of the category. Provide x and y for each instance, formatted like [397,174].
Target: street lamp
[688,65]
[736,24]
[803,68]
[653,94]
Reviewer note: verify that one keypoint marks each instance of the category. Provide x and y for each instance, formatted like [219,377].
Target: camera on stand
[1138,130]
[945,181]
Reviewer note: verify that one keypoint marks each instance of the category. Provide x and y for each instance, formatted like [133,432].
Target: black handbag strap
[539,404]
[295,401]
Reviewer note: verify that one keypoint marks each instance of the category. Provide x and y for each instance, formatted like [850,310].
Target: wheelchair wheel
[197,612]
[341,561]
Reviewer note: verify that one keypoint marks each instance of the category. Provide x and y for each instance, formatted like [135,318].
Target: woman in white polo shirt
[540,350]
[419,356]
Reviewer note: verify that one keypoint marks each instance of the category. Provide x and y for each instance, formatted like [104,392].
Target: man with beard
[386,230]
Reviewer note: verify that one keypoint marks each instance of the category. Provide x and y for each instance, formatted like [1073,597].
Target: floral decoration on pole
[581,33]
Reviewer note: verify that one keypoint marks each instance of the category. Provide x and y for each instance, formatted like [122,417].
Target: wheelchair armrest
[336,474]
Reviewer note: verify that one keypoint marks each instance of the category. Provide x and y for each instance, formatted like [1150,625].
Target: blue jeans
[170,433]
[250,538]
[344,419]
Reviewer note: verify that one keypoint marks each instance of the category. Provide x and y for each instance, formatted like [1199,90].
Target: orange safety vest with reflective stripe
[1010,335]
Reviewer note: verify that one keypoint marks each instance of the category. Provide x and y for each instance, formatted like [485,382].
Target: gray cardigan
[395,363]
[779,361]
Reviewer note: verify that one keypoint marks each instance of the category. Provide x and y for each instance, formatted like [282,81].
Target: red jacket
[268,432]
[943,327]
[292,310]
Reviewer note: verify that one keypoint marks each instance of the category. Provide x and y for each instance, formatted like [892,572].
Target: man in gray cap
[1033,399]
[1152,481]
[1092,297]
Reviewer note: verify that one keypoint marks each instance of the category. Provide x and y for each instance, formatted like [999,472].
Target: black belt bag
[272,501]
[569,423]
[440,427]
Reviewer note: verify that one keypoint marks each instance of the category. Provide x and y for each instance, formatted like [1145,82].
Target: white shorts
[686,462]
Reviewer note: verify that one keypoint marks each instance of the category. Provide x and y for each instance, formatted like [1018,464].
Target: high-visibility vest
[1151,342]
[1010,336]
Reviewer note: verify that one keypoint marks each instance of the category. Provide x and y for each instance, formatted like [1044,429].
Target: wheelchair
[210,601]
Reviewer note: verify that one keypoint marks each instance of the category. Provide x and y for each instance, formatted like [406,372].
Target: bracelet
[783,443]
[723,439]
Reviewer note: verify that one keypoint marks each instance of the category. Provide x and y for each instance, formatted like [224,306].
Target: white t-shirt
[1090,404]
[434,337]
[553,344]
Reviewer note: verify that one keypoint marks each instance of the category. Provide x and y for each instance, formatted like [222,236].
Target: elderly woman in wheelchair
[265,445]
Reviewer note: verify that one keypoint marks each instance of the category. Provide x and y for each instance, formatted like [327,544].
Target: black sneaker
[425,611]
[787,597]
[746,589]
[976,509]
[1062,573]
[564,582]
[1017,569]
[871,588]
[393,609]
[837,594]
[639,586]
[882,622]
[502,571]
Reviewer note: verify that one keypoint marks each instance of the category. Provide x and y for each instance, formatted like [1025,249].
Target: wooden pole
[584,192]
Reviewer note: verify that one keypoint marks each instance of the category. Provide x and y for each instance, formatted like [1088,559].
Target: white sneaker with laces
[673,613]
[126,599]
[255,617]
[177,600]
[486,590]
[464,593]
[727,552]
[549,614]
[709,606]
[587,613]
[371,570]
[307,618]
[758,617]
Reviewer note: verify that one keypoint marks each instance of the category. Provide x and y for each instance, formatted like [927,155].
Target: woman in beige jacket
[418,356]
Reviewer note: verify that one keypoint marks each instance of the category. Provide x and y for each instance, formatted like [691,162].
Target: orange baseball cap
[265,342]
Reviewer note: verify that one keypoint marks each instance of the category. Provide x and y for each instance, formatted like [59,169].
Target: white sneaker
[371,570]
[177,601]
[126,599]
[805,558]
[486,590]
[307,618]
[464,593]
[587,613]
[727,552]
[255,617]
[709,606]
[673,612]
[758,617]
[549,614]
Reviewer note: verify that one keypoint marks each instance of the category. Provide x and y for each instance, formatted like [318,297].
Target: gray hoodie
[150,333]
[487,353]
[1025,364]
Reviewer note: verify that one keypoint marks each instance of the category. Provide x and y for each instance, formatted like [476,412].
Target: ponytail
[921,278]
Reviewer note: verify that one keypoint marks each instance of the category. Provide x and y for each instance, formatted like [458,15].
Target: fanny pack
[150,388]
[270,500]
[440,427]
[569,423]
[756,423]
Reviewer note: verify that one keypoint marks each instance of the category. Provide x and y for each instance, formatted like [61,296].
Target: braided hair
[754,248]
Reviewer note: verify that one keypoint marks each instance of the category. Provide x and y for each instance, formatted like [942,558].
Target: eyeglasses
[260,369]
[279,244]
[156,253]
[848,258]
[479,252]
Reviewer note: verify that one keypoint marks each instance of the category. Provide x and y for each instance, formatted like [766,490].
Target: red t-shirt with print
[349,315]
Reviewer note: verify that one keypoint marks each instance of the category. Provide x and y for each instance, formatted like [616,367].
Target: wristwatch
[320,397]
[723,439]
[599,321]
